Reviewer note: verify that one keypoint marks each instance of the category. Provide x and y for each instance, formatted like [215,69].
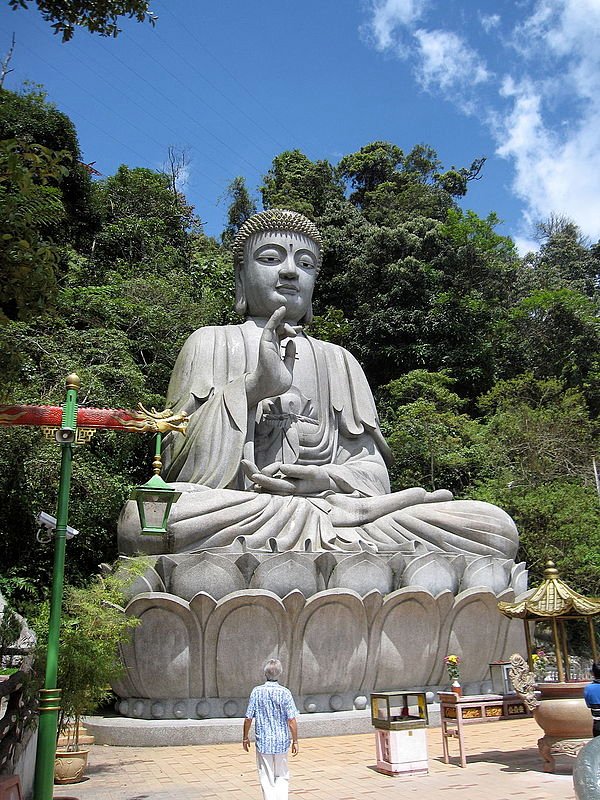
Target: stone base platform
[343,625]
[126,732]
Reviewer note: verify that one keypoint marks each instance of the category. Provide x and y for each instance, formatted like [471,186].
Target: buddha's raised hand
[273,375]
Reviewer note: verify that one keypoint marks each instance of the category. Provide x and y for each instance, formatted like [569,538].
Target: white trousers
[273,775]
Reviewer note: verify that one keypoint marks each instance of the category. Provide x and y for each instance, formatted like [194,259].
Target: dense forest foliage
[485,365]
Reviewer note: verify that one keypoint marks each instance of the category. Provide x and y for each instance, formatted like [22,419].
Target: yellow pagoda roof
[552,598]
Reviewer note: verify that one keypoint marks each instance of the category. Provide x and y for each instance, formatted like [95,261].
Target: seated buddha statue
[283,449]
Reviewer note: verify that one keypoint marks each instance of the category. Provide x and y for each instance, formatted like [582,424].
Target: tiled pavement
[502,764]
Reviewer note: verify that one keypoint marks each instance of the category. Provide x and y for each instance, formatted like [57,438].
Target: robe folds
[328,419]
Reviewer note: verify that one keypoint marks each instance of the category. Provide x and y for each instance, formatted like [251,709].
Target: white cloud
[542,108]
[489,21]
[555,172]
[183,177]
[447,61]
[526,245]
[557,164]
[391,15]
[562,26]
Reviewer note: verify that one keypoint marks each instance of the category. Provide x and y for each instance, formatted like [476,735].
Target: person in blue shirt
[274,712]
[591,694]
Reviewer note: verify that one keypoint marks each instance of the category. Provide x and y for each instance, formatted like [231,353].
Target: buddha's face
[279,270]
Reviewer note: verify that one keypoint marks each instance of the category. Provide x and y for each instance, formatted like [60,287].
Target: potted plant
[452,661]
[540,662]
[92,627]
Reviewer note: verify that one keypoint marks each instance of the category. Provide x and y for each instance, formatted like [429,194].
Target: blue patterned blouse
[270,706]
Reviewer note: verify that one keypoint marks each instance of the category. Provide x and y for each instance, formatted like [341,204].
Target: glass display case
[400,719]
[396,711]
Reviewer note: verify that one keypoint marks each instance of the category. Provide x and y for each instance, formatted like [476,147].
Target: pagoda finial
[550,571]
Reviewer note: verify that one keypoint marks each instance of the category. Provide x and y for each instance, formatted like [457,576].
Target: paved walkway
[503,763]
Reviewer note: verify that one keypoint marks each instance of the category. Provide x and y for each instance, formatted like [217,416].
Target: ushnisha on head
[277,255]
[275,219]
[273,669]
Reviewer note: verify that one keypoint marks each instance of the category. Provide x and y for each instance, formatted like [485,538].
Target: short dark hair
[596,669]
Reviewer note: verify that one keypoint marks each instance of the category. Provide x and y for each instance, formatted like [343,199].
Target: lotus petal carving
[493,573]
[434,572]
[362,573]
[285,572]
[199,654]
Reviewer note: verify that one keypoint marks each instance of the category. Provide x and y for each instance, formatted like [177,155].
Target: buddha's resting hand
[272,376]
[283,479]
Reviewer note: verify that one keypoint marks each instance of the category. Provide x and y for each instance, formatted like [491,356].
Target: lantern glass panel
[153,514]
[154,500]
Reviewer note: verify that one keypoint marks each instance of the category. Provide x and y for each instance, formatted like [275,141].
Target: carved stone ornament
[523,680]
[552,746]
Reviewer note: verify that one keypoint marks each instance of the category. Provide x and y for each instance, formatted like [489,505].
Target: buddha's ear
[240,293]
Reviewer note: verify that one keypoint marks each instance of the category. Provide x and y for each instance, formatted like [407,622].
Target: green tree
[121,316]
[556,333]
[538,431]
[565,260]
[93,626]
[96,16]
[29,209]
[142,223]
[434,444]
[414,297]
[32,120]
[297,183]
[538,441]
[241,207]
[420,283]
[559,521]
[553,329]
[372,165]
[390,186]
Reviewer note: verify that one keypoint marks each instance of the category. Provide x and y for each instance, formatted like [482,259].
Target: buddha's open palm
[273,375]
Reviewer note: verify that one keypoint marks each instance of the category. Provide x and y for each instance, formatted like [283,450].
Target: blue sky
[234,83]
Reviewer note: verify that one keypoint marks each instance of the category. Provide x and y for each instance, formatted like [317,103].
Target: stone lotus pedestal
[344,625]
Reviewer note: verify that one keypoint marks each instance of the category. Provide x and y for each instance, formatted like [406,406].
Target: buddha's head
[277,255]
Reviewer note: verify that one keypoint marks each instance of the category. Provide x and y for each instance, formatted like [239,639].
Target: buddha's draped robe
[327,418]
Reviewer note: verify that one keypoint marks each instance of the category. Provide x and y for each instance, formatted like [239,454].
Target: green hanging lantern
[155,498]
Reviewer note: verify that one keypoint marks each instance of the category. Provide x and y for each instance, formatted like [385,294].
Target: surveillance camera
[65,436]
[49,522]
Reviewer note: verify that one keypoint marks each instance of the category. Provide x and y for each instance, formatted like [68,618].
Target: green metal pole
[157,463]
[50,695]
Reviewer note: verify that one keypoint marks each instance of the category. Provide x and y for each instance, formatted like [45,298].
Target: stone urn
[69,765]
[565,719]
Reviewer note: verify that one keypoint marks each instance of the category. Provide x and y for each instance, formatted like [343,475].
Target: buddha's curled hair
[275,219]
